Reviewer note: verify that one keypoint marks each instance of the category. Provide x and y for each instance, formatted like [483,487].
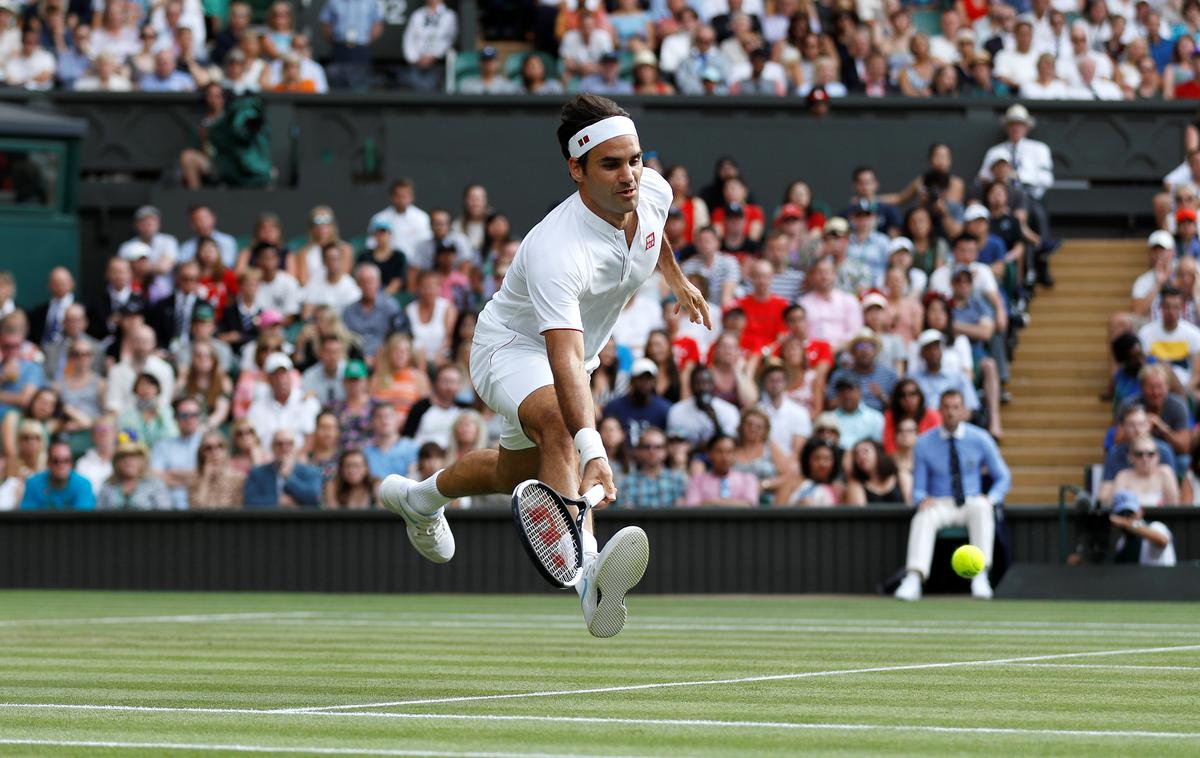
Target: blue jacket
[77,495]
[262,488]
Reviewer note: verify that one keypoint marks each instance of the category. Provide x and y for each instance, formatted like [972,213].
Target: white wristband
[590,446]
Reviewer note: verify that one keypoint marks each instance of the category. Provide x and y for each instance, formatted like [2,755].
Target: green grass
[315,651]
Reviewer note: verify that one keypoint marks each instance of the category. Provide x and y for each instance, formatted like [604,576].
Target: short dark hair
[1169,291]
[949,393]
[859,171]
[719,437]
[430,450]
[581,111]
[813,445]
[403,181]
[964,238]
[787,312]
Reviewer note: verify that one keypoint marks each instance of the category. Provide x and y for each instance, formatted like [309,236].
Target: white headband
[590,136]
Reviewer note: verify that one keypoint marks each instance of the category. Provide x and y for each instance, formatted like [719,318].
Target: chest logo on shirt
[650,241]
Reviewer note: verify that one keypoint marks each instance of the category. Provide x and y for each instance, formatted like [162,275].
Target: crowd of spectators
[1032,49]
[218,371]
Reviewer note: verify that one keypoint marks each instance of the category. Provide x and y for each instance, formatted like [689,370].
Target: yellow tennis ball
[967,561]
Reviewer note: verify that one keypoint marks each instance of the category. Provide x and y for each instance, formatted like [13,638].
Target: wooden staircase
[1056,422]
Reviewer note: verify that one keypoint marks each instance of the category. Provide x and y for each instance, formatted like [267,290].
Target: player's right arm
[564,349]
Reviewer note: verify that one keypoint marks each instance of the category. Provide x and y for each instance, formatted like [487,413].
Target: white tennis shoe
[910,588]
[430,535]
[981,587]
[608,577]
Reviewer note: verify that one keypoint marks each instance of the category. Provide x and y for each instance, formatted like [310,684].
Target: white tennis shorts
[505,372]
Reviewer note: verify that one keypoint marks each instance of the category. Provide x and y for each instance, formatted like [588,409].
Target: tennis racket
[553,539]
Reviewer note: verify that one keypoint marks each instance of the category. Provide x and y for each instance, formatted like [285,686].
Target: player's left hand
[597,471]
[691,300]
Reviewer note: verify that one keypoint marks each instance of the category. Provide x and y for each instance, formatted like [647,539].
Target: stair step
[1049,402]
[1069,436]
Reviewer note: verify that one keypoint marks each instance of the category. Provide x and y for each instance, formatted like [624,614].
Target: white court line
[616,721]
[1104,666]
[574,618]
[744,679]
[744,629]
[307,750]
[178,619]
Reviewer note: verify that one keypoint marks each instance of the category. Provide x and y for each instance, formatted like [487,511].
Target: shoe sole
[622,569]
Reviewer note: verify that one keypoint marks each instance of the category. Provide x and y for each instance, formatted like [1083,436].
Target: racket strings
[547,529]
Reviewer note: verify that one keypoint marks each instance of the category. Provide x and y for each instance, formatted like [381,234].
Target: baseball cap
[644,58]
[845,383]
[900,243]
[146,211]
[269,318]
[837,227]
[790,210]
[277,361]
[134,306]
[928,337]
[975,212]
[961,270]
[1124,501]
[866,334]
[1184,214]
[711,74]
[380,225]
[488,53]
[134,250]
[874,300]
[355,370]
[861,207]
[1018,114]
[203,312]
[609,57]
[735,209]
[643,366]
[1161,238]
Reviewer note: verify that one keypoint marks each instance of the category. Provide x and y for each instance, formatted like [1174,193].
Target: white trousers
[977,515]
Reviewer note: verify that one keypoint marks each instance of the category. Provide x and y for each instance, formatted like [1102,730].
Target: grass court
[136,674]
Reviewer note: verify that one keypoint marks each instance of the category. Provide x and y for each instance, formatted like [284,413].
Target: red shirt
[817,352]
[764,321]
[753,213]
[686,351]
[1189,91]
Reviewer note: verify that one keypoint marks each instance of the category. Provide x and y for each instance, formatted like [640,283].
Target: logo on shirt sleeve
[650,241]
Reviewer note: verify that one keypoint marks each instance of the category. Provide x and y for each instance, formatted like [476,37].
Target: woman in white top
[1047,85]
[322,230]
[956,352]
[1150,478]
[431,318]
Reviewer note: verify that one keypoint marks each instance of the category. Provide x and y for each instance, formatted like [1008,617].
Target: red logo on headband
[650,240]
[584,140]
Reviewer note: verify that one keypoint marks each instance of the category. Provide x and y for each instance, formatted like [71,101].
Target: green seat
[299,242]
[466,64]
[927,22]
[243,241]
[357,243]
[625,59]
[80,442]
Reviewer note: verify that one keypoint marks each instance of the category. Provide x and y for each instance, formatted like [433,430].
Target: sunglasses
[243,432]
[210,448]
[30,438]
[81,353]
[57,461]
[187,414]
[1144,453]
[651,447]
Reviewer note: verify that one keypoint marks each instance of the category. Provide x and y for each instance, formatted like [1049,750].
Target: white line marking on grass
[741,628]
[1104,666]
[310,750]
[179,619]
[741,680]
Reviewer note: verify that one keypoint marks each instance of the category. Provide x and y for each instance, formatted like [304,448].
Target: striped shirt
[723,269]
[788,284]
[880,375]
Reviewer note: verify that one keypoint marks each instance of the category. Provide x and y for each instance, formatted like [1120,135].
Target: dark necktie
[956,485]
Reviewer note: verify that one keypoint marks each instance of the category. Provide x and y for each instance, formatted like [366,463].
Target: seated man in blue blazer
[283,481]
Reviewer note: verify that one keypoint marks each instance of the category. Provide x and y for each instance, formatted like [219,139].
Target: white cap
[134,250]
[643,366]
[874,298]
[276,361]
[928,337]
[1018,113]
[900,243]
[975,212]
[1161,238]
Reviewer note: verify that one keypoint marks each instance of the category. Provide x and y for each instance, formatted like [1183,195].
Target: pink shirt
[833,318]
[707,487]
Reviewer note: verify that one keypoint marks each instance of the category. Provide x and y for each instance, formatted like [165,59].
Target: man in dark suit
[284,481]
[118,290]
[171,317]
[240,321]
[46,320]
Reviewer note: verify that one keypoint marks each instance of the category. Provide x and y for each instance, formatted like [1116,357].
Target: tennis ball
[967,561]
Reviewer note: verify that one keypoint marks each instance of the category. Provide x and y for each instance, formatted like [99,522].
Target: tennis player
[539,338]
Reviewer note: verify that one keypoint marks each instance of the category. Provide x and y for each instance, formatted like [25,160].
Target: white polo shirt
[575,271]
